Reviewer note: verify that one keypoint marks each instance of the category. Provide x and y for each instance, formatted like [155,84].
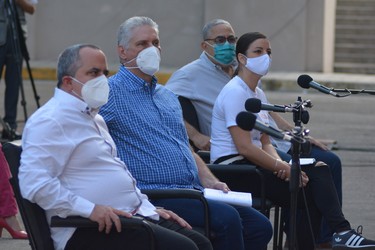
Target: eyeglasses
[223,39]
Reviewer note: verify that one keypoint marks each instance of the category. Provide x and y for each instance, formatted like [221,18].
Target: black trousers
[321,201]
[168,235]
[13,79]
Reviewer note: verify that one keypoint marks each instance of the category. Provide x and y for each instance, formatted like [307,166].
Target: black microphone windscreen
[304,81]
[253,105]
[246,120]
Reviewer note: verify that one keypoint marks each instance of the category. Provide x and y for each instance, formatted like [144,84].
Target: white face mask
[259,65]
[95,91]
[148,60]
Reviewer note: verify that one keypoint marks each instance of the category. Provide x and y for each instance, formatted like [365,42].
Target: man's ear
[204,45]
[67,84]
[121,52]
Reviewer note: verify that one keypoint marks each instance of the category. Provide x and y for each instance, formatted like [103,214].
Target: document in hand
[232,197]
[305,161]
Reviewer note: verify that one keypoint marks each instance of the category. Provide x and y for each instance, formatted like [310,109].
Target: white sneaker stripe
[359,242]
[354,240]
[350,240]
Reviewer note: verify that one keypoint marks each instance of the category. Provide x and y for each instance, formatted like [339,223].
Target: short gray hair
[69,61]
[125,31]
[206,32]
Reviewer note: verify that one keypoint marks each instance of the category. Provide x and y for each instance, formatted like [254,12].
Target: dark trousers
[234,227]
[334,163]
[13,78]
[168,235]
[321,196]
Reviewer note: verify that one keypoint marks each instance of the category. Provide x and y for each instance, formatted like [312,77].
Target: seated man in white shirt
[69,166]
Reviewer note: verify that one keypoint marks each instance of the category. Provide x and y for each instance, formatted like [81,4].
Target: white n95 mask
[95,92]
[148,61]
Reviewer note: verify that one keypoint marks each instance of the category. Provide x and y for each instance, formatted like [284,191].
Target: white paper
[305,161]
[232,197]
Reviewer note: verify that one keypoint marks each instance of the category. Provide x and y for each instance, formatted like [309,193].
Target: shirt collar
[74,102]
[207,61]
[133,82]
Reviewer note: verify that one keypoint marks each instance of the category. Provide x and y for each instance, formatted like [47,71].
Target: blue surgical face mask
[224,53]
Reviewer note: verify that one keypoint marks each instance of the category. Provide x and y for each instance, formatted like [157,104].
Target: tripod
[20,51]
[300,115]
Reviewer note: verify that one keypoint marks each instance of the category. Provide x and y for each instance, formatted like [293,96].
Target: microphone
[255,105]
[305,81]
[247,121]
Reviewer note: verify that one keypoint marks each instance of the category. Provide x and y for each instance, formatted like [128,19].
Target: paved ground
[349,120]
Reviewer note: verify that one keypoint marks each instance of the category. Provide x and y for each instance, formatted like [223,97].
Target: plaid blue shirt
[147,126]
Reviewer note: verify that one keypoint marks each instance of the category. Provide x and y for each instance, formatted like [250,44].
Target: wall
[295,27]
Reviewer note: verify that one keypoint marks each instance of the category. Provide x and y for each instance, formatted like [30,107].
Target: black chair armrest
[81,222]
[172,193]
[205,155]
[233,168]
[234,175]
[155,194]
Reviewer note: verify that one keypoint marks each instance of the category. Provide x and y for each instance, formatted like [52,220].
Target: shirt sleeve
[46,151]
[233,103]
[180,84]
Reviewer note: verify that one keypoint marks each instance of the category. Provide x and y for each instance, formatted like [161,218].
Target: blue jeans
[334,163]
[234,227]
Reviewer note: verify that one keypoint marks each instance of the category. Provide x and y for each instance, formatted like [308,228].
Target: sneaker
[352,240]
[9,134]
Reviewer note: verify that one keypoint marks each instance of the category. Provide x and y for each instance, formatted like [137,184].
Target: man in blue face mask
[213,70]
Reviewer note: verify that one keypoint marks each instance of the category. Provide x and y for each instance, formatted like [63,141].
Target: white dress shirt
[69,163]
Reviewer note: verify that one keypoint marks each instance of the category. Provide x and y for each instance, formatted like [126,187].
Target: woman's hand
[284,172]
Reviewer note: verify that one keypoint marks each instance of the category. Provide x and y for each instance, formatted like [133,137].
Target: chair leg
[276,223]
[278,229]
[281,230]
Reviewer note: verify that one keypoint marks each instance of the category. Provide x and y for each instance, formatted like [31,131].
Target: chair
[236,176]
[37,226]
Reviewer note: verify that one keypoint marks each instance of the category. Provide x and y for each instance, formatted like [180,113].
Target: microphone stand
[353,91]
[299,116]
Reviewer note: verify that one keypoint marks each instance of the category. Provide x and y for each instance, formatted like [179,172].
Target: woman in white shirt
[231,144]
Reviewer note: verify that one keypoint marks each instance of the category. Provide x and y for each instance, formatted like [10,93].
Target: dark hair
[244,42]
[69,61]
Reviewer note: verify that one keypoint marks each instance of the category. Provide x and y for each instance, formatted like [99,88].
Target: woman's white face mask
[95,92]
[259,65]
[148,61]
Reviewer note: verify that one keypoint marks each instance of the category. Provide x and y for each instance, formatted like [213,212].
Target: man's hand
[201,141]
[106,216]
[26,6]
[221,186]
[169,215]
[318,143]
[304,179]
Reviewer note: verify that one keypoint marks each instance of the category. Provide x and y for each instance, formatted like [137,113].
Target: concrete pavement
[349,120]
